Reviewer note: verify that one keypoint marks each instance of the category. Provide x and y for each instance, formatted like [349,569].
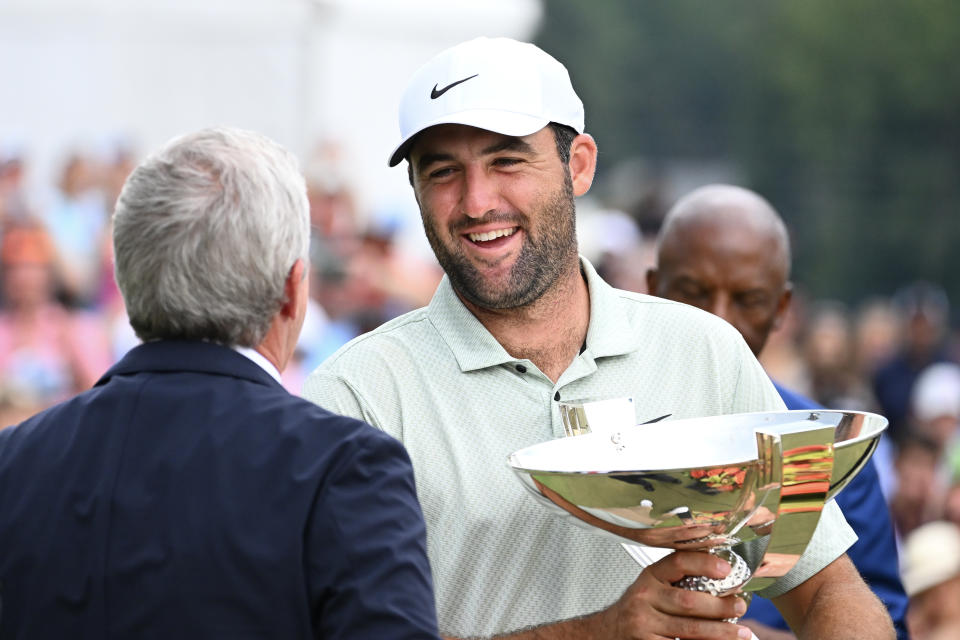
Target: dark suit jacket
[875,552]
[188,495]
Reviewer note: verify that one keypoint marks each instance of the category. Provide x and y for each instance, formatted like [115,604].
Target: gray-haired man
[189,495]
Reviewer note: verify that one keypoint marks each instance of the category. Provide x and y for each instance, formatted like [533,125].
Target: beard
[544,256]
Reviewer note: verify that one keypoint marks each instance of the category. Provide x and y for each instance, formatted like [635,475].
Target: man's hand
[652,609]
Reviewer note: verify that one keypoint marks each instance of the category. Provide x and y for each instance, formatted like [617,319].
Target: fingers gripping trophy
[747,487]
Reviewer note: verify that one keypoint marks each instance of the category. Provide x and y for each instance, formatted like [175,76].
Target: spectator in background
[931,575]
[917,487]
[77,219]
[361,279]
[935,408]
[782,355]
[389,284]
[951,507]
[114,171]
[334,214]
[924,309]
[877,334]
[13,198]
[725,249]
[47,352]
[828,348]
[926,462]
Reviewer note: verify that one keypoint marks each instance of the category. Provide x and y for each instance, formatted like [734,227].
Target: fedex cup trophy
[749,487]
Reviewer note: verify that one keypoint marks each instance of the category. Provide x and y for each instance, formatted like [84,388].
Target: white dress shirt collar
[261,360]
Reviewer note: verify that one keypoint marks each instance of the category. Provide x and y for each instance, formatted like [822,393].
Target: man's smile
[487,236]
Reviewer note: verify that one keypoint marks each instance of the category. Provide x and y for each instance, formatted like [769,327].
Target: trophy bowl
[706,483]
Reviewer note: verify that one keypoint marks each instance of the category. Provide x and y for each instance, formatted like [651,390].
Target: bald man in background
[725,250]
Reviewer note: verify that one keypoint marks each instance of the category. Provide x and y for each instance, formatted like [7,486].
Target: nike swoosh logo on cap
[434,94]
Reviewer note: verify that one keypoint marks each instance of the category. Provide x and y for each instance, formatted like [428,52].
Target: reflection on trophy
[749,487]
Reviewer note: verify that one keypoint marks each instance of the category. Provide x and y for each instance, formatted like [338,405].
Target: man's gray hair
[205,233]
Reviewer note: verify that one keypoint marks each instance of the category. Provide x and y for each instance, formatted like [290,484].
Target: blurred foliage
[845,115]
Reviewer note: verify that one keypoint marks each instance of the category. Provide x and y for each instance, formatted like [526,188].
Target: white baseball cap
[497,84]
[931,556]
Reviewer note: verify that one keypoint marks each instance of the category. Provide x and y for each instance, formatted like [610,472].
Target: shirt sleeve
[754,391]
[368,572]
[334,393]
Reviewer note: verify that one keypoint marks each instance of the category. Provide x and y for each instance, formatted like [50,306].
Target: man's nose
[720,306]
[481,193]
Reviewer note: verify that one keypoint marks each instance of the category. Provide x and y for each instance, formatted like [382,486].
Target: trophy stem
[739,574]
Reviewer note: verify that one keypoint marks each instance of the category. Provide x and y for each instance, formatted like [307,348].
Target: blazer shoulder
[296,412]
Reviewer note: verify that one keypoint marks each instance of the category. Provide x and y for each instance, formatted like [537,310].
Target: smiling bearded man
[494,136]
[541,261]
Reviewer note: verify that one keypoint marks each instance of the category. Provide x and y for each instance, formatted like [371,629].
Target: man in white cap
[494,136]
[931,576]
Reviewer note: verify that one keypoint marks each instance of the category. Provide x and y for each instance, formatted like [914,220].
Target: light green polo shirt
[437,380]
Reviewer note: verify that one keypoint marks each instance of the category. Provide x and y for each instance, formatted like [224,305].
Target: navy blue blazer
[189,495]
[875,552]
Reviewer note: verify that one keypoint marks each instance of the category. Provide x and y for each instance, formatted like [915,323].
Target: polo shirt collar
[609,333]
[472,345]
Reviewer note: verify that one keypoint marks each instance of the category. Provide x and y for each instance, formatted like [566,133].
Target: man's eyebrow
[510,143]
[428,159]
[683,278]
[752,291]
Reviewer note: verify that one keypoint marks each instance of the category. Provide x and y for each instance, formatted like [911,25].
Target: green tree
[844,114]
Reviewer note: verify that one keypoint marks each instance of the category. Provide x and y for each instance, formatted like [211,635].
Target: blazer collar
[188,356]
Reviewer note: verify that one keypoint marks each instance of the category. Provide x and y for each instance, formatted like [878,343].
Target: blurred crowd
[896,357]
[62,322]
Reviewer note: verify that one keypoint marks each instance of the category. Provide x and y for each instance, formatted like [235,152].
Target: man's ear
[583,163]
[782,305]
[292,291]
[652,280]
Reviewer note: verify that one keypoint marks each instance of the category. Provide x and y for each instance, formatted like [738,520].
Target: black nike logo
[434,94]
